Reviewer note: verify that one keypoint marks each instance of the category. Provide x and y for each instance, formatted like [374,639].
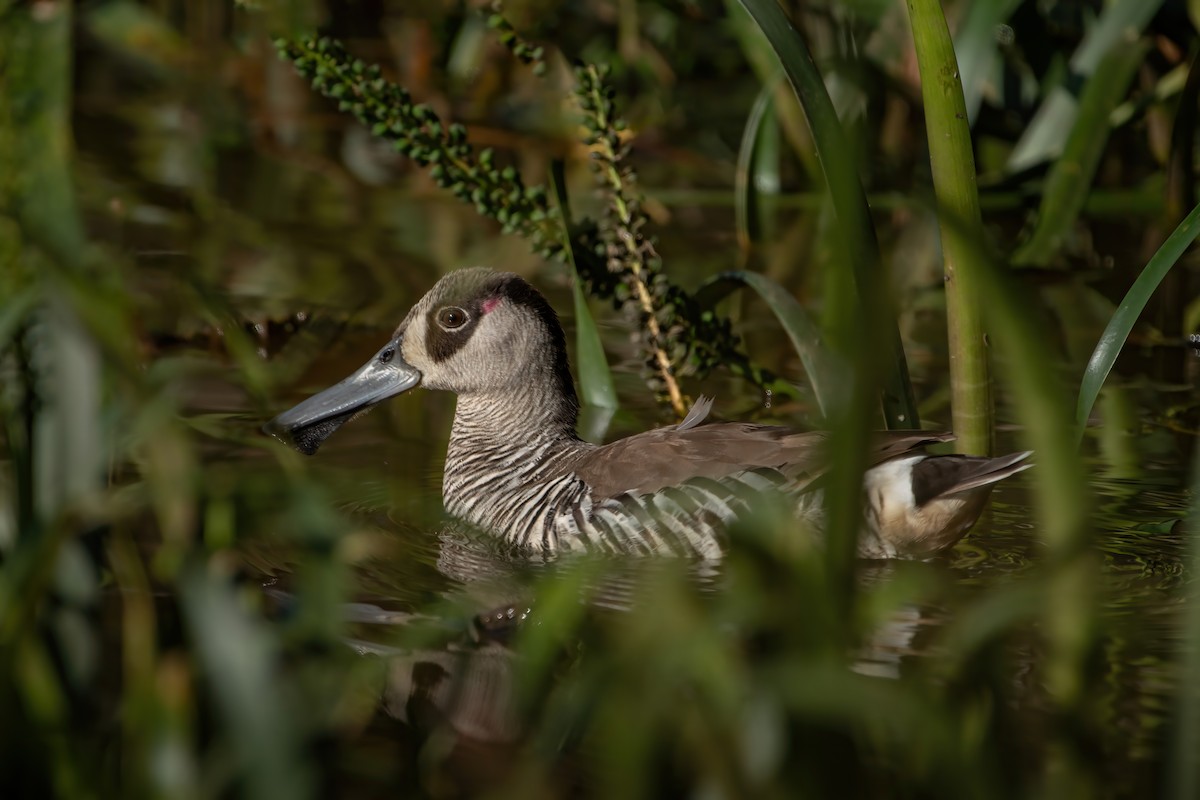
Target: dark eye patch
[386,356]
[449,328]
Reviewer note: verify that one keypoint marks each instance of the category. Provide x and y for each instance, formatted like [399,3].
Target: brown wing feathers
[666,457]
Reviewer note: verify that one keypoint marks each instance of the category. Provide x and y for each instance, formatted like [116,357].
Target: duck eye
[452,317]
[386,356]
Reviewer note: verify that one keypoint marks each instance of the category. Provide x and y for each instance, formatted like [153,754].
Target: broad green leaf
[827,377]
[1126,316]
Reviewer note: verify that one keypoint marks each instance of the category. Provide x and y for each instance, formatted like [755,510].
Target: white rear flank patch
[891,481]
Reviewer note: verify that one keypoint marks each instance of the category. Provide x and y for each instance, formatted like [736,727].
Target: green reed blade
[827,377]
[953,164]
[595,377]
[35,152]
[757,176]
[1037,392]
[857,231]
[1062,506]
[789,114]
[239,658]
[1126,316]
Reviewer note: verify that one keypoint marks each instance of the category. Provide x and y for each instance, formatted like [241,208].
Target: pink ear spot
[490,303]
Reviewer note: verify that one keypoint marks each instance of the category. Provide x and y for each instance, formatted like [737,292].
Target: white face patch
[494,354]
[412,349]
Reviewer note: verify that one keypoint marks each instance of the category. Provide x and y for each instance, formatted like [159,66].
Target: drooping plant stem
[954,184]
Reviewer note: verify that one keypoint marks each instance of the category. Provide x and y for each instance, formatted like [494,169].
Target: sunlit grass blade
[954,184]
[1126,316]
[1046,134]
[856,229]
[595,377]
[1071,176]
[828,380]
[757,170]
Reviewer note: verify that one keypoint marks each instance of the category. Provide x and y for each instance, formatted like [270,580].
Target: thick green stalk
[957,198]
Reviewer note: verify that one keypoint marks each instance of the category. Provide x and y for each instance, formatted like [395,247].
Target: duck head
[476,333]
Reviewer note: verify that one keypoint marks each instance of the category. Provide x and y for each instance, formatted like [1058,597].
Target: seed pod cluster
[615,258]
[416,131]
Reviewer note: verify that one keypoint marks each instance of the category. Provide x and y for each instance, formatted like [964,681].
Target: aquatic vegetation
[192,239]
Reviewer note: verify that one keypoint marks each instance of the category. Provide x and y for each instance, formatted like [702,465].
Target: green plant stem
[957,197]
[635,250]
